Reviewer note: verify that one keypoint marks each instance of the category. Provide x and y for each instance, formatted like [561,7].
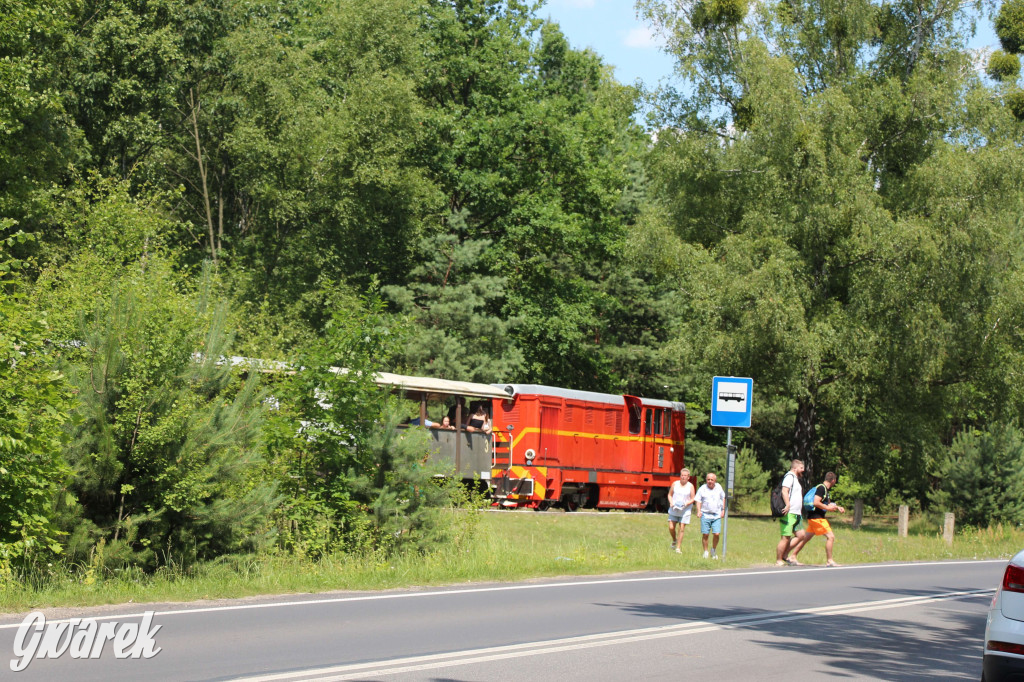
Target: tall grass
[506,546]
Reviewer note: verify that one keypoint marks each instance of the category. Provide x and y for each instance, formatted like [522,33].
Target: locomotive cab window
[666,427]
[634,419]
[647,422]
[657,422]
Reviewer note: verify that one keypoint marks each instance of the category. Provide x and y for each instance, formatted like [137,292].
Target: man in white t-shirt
[710,501]
[790,523]
[680,500]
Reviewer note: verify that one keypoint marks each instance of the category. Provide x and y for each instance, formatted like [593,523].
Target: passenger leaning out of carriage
[479,421]
[446,424]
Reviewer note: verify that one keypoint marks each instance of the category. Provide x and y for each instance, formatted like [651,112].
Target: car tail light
[1013,579]
[1006,647]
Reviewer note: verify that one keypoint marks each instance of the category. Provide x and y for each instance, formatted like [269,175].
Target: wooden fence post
[947,530]
[858,513]
[904,520]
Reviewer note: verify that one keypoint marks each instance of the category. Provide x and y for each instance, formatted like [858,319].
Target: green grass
[509,546]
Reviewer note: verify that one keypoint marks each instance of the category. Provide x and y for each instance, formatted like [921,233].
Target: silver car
[1004,629]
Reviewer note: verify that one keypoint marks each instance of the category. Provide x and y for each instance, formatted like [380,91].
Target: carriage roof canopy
[397,382]
[440,387]
[590,396]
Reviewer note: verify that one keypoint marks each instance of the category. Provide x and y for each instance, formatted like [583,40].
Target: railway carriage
[555,446]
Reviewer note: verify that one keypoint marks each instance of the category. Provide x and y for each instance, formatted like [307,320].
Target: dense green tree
[296,150]
[301,157]
[166,440]
[531,140]
[289,128]
[168,443]
[125,62]
[815,163]
[457,305]
[38,139]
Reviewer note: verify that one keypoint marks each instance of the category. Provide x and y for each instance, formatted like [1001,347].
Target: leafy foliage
[1003,66]
[980,477]
[38,139]
[1009,25]
[812,166]
[35,400]
[295,148]
[530,147]
[356,483]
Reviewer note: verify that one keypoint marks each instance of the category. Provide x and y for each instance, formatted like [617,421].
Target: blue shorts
[710,525]
[682,517]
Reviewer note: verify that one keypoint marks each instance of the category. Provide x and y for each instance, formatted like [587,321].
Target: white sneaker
[678,551]
[705,554]
[714,555]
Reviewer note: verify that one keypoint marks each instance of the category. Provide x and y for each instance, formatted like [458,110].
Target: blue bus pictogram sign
[731,399]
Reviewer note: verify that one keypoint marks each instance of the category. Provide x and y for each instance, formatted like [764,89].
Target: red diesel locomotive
[555,446]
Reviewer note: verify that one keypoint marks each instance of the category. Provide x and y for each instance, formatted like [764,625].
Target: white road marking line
[485,655]
[508,588]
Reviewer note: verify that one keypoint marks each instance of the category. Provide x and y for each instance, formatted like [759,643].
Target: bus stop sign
[731,398]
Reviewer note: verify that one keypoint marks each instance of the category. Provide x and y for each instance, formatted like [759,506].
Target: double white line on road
[434,661]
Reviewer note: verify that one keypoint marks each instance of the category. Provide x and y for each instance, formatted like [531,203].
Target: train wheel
[543,505]
[572,504]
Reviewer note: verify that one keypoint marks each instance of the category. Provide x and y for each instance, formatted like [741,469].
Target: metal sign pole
[731,399]
[730,476]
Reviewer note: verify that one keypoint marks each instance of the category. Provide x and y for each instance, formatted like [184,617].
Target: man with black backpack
[789,523]
[817,524]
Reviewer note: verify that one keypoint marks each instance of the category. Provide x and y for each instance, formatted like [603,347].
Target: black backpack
[779,507]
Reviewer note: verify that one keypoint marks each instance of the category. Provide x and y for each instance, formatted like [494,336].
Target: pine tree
[980,477]
[457,307]
[167,442]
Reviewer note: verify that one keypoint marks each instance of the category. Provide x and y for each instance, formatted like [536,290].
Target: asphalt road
[892,621]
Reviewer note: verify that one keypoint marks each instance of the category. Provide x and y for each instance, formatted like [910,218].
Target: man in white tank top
[790,524]
[680,500]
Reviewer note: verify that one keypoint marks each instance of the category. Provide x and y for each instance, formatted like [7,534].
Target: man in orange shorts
[817,524]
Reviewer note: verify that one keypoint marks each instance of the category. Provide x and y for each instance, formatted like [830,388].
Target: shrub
[355,483]
[35,401]
[980,477]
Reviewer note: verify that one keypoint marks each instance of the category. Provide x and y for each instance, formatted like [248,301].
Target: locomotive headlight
[530,454]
